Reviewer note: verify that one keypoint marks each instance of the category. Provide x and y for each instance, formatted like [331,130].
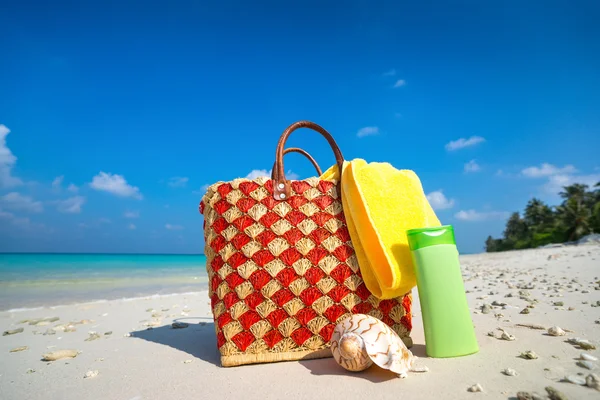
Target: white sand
[151,364]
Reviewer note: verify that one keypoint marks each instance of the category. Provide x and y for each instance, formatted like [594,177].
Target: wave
[100,301]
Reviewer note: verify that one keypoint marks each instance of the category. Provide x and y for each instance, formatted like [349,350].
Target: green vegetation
[577,216]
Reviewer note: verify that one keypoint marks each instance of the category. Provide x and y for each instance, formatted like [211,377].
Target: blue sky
[115,115]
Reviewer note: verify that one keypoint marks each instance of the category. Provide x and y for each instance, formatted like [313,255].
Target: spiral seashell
[361,340]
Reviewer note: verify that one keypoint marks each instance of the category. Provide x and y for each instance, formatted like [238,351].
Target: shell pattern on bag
[283,273]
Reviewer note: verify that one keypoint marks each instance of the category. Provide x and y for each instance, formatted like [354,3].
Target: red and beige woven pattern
[282,273]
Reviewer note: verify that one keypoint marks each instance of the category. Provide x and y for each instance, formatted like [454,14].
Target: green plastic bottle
[447,322]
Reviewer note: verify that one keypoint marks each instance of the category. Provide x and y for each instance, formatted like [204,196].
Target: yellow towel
[380,204]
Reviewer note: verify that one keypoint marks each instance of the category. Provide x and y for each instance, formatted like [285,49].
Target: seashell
[509,372]
[59,354]
[529,355]
[556,331]
[17,349]
[361,340]
[507,336]
[576,379]
[588,357]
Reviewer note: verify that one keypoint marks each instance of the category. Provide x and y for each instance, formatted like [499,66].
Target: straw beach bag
[281,266]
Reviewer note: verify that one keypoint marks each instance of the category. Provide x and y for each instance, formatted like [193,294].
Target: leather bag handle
[305,154]
[281,186]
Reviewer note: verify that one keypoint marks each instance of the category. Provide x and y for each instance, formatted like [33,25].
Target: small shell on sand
[91,374]
[509,372]
[586,364]
[556,331]
[12,331]
[59,355]
[507,336]
[17,349]
[475,388]
[588,357]
[529,355]
[524,311]
[576,380]
[187,361]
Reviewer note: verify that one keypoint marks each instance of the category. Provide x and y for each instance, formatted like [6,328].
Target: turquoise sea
[36,280]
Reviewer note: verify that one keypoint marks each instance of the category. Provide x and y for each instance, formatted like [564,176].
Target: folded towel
[380,204]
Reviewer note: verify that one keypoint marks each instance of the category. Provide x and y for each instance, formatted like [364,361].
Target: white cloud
[57,182]
[115,184]
[462,143]
[546,170]
[558,177]
[202,189]
[475,216]
[72,188]
[178,181]
[72,205]
[391,72]
[18,202]
[6,215]
[23,223]
[173,227]
[472,166]
[7,161]
[131,214]
[367,131]
[257,173]
[399,83]
[438,200]
[131,226]
[556,183]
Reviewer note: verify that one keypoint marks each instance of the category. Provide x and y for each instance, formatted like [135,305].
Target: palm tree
[574,217]
[538,215]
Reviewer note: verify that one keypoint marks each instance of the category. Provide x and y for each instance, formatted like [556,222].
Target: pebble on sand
[555,394]
[179,325]
[12,331]
[509,372]
[475,388]
[91,374]
[556,331]
[59,355]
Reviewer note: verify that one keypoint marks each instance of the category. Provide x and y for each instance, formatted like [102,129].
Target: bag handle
[305,154]
[281,186]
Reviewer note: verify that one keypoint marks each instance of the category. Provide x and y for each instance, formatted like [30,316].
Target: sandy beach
[126,360]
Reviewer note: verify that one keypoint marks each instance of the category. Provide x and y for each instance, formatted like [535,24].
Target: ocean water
[37,280]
